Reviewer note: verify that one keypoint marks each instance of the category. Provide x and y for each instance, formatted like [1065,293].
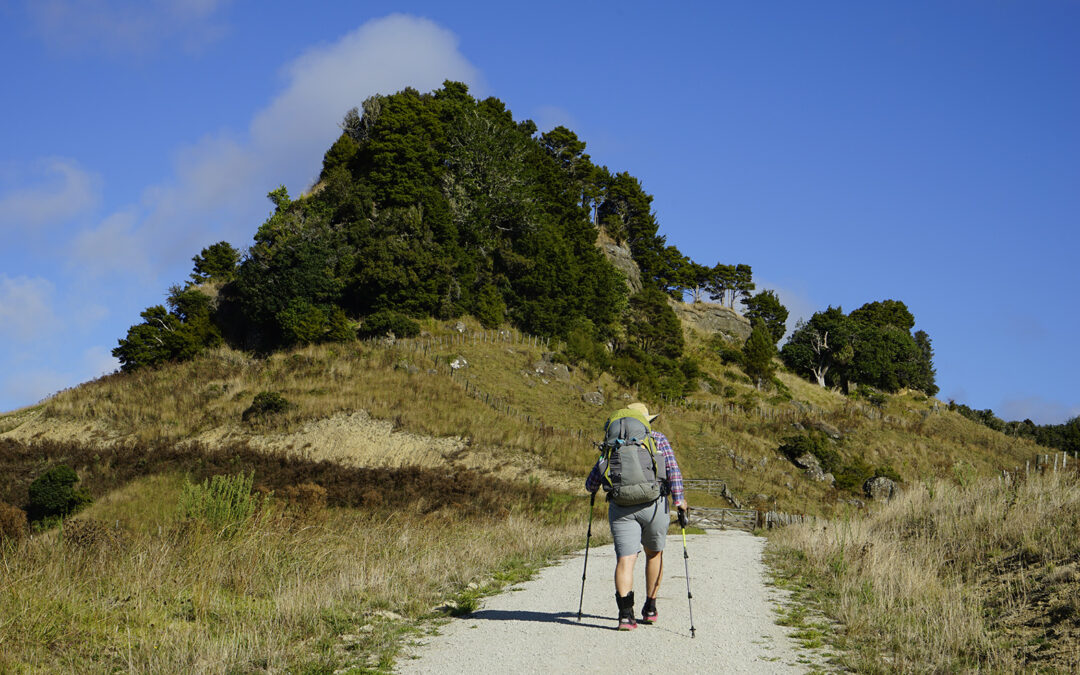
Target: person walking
[638,471]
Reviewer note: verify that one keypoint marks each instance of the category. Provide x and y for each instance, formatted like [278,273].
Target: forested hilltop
[441,205]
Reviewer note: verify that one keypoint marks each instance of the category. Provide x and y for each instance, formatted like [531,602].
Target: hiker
[637,481]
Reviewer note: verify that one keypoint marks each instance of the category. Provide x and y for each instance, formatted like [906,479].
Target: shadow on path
[567,618]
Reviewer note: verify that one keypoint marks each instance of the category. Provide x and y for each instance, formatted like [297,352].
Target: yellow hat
[640,407]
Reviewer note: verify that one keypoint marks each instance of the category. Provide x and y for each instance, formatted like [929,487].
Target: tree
[758,353]
[765,308]
[694,277]
[216,262]
[885,313]
[743,284]
[821,347]
[167,336]
[653,326]
[721,282]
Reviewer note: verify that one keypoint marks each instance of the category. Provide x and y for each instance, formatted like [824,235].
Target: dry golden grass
[948,577]
[498,415]
[297,590]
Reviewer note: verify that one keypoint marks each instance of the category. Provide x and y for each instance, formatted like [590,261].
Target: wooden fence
[742,519]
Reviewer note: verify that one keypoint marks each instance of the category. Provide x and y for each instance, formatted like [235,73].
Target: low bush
[388,321]
[53,494]
[264,404]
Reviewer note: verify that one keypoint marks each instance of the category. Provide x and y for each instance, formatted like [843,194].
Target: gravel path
[534,628]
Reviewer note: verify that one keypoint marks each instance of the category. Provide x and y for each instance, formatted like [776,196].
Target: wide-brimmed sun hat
[641,408]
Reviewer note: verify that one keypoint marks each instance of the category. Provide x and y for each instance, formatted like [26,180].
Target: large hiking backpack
[635,470]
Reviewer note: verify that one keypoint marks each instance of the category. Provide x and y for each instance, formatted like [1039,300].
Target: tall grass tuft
[225,503]
[948,577]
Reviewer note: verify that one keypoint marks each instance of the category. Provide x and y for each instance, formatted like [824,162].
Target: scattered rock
[556,371]
[624,396]
[407,367]
[810,464]
[857,503]
[388,615]
[389,339]
[460,327]
[827,429]
[593,397]
[458,363]
[473,586]
[880,488]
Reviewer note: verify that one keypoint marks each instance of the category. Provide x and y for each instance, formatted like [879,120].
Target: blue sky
[849,151]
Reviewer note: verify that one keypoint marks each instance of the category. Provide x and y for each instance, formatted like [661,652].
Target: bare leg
[624,574]
[654,572]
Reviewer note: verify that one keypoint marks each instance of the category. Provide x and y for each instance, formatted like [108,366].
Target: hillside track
[533,628]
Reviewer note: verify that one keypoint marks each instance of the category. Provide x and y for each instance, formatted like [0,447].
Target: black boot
[626,611]
[648,612]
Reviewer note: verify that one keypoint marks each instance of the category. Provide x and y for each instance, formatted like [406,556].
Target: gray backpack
[635,469]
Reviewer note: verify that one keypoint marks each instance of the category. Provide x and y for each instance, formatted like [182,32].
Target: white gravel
[534,628]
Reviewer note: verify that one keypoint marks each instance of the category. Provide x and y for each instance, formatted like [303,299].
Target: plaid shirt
[674,476]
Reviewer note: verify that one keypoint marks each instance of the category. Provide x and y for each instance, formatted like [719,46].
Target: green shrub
[385,321]
[852,475]
[887,471]
[814,442]
[266,403]
[225,503]
[53,494]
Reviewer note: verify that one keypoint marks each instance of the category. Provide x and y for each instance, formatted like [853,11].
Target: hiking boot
[626,611]
[648,611]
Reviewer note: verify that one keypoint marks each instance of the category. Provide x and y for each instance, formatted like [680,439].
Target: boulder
[458,363]
[593,397]
[556,371]
[407,367]
[810,465]
[880,488]
[827,429]
[712,318]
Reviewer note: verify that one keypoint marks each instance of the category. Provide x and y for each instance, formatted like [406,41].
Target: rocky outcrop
[880,488]
[710,318]
[619,256]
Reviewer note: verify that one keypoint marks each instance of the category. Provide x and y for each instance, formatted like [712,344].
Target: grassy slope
[517,418]
[505,416]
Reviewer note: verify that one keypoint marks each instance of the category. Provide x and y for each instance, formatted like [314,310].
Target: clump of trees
[873,345]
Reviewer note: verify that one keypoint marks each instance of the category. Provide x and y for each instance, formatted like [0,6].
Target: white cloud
[26,308]
[116,246]
[1038,409]
[54,190]
[125,26]
[220,185]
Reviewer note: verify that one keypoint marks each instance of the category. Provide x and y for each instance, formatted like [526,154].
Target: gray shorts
[641,524]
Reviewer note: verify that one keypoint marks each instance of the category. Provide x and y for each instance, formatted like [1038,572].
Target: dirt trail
[534,628]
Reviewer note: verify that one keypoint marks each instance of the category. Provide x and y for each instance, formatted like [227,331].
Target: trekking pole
[588,536]
[686,563]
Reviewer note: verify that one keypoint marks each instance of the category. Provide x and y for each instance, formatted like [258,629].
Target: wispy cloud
[549,116]
[125,26]
[52,190]
[26,308]
[220,182]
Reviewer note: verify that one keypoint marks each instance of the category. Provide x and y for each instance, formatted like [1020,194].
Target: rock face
[880,489]
[619,256]
[711,318]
